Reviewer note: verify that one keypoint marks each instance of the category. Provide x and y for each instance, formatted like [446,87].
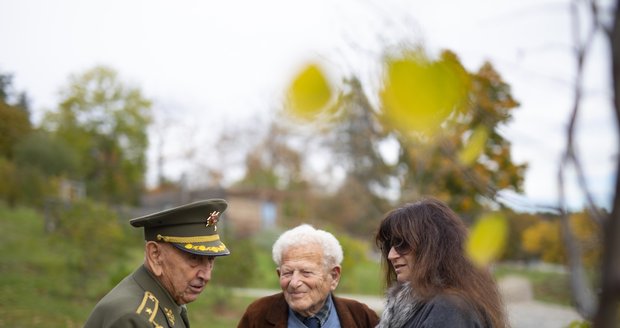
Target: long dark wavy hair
[436,236]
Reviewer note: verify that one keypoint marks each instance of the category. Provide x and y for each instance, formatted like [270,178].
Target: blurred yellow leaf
[487,239]
[474,146]
[419,94]
[309,93]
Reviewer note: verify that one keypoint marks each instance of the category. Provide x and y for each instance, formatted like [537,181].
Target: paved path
[541,315]
[523,312]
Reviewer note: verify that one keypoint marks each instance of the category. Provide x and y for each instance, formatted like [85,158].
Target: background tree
[544,240]
[95,241]
[444,121]
[105,122]
[354,138]
[14,125]
[274,168]
[14,117]
[43,162]
[607,312]
[53,157]
[272,163]
[467,161]
[518,223]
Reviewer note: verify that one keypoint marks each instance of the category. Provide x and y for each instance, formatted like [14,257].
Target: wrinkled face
[305,281]
[402,263]
[184,274]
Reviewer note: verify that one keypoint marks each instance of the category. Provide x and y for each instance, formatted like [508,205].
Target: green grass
[31,276]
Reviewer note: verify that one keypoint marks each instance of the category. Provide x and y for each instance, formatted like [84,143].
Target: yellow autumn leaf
[487,239]
[474,146]
[308,93]
[420,94]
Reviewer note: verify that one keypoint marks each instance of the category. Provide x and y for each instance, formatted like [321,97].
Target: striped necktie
[312,322]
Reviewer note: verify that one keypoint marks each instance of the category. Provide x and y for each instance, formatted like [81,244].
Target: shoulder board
[149,307]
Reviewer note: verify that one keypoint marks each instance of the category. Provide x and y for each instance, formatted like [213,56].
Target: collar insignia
[169,315]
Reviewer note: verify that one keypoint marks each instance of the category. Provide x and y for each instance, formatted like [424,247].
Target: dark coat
[404,310]
[137,301]
[272,311]
[445,311]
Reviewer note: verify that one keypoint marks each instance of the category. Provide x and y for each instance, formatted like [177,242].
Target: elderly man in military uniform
[181,246]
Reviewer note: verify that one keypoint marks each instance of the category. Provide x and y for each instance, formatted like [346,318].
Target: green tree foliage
[52,156]
[14,118]
[14,126]
[92,238]
[23,184]
[105,122]
[8,187]
[40,161]
[354,251]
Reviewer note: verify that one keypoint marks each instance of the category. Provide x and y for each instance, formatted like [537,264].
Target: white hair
[304,235]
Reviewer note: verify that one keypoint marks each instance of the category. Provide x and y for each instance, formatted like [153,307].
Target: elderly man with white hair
[308,266]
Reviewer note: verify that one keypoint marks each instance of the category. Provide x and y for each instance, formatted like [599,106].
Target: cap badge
[212,219]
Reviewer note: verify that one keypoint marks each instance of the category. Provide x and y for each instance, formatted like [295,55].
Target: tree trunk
[609,301]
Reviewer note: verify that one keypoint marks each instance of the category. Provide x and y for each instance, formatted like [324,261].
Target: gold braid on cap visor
[181,240]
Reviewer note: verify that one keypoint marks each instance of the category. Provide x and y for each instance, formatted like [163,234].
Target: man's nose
[296,279]
[204,272]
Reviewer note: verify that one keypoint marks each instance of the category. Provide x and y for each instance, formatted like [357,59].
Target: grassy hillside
[39,287]
[33,285]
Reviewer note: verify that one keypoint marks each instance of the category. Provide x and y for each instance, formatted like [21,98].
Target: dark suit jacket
[137,301]
[272,311]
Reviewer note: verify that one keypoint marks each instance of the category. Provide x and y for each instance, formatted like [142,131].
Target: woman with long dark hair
[430,280]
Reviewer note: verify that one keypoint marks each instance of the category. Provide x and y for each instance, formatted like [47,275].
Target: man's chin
[189,297]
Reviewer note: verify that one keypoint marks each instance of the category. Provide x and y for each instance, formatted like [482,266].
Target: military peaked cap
[191,228]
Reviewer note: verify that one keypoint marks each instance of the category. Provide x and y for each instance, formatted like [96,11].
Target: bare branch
[570,155]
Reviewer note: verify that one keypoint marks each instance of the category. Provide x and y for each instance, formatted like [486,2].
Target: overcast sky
[223,62]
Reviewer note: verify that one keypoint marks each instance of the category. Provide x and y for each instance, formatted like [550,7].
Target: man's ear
[154,257]
[335,274]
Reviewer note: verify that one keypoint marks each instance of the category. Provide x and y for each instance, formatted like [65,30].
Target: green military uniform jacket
[137,301]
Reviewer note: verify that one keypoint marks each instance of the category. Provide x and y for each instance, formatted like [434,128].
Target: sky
[209,65]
